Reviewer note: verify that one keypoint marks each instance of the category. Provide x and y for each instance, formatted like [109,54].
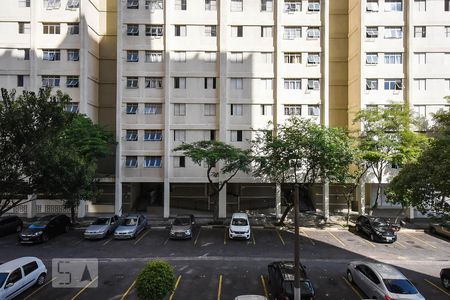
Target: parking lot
[210,266]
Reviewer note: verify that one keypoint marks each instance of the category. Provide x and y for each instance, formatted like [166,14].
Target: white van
[239,226]
[20,274]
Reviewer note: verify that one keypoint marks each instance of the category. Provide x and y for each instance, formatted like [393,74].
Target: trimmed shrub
[156,281]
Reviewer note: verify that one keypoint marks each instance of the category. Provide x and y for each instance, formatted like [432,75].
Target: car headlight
[37,233]
[188,232]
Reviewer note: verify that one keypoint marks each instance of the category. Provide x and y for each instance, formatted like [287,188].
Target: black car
[44,229]
[378,229]
[281,281]
[445,278]
[10,224]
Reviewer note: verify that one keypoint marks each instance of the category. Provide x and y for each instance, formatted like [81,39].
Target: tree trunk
[285,213]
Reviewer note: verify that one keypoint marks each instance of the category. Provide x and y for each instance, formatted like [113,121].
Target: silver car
[182,227]
[101,227]
[131,226]
[381,281]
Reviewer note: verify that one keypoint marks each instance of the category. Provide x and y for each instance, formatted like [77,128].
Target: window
[72,107]
[180,4]
[210,4]
[420,31]
[393,32]
[210,134]
[50,80]
[52,4]
[267,57]
[72,81]
[73,55]
[71,4]
[236,135]
[236,5]
[132,135]
[179,56]
[371,32]
[24,3]
[420,58]
[51,54]
[420,84]
[132,55]
[179,82]
[24,54]
[210,30]
[210,83]
[210,56]
[267,5]
[132,108]
[237,83]
[293,84]
[291,6]
[180,30]
[153,56]
[393,84]
[313,110]
[393,58]
[266,109]
[132,82]
[266,83]
[152,109]
[152,135]
[153,82]
[371,84]
[20,82]
[313,58]
[24,28]
[237,57]
[132,4]
[393,5]
[420,111]
[291,33]
[153,4]
[371,58]
[313,32]
[292,58]
[447,31]
[313,5]
[15,276]
[313,84]
[266,31]
[236,109]
[131,161]
[73,28]
[179,109]
[132,29]
[154,30]
[51,28]
[420,5]
[292,110]
[179,161]
[209,109]
[447,5]
[179,135]
[372,6]
[236,31]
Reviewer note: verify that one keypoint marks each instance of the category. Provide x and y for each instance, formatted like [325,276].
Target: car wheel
[19,228]
[446,282]
[349,276]
[41,279]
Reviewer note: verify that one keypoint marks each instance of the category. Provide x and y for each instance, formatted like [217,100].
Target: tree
[387,139]
[26,123]
[156,281]
[223,162]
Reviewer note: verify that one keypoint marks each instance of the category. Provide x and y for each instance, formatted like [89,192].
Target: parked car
[44,229]
[182,227]
[250,297]
[281,281]
[381,281]
[10,224]
[239,226]
[101,227]
[18,275]
[378,229]
[441,228]
[445,278]
[131,226]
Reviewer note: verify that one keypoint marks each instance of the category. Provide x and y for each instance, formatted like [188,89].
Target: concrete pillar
[361,198]
[278,200]
[82,209]
[31,206]
[166,199]
[411,213]
[223,203]
[326,200]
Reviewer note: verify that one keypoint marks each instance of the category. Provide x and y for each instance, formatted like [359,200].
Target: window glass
[15,276]
[400,286]
[30,267]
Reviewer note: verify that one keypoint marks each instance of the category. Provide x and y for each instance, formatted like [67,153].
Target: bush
[156,281]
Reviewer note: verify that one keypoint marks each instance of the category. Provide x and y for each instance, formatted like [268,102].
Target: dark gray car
[182,227]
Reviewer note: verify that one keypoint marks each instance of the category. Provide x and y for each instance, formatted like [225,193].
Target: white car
[239,226]
[250,297]
[18,275]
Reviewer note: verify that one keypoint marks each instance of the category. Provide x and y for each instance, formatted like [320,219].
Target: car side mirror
[9,285]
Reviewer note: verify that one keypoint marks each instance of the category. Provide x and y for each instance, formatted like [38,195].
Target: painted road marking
[281,238]
[219,290]
[368,242]
[175,288]
[263,282]
[40,288]
[253,238]
[438,287]
[400,244]
[142,236]
[225,236]
[105,243]
[420,240]
[125,295]
[353,288]
[337,239]
[87,285]
[304,233]
[77,242]
[196,239]
[165,242]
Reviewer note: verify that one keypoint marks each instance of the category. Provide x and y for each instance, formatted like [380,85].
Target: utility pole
[296,246]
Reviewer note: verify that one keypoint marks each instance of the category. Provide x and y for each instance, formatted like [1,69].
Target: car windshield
[381,223]
[400,286]
[101,221]
[3,277]
[181,222]
[130,222]
[239,222]
[305,288]
[41,223]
